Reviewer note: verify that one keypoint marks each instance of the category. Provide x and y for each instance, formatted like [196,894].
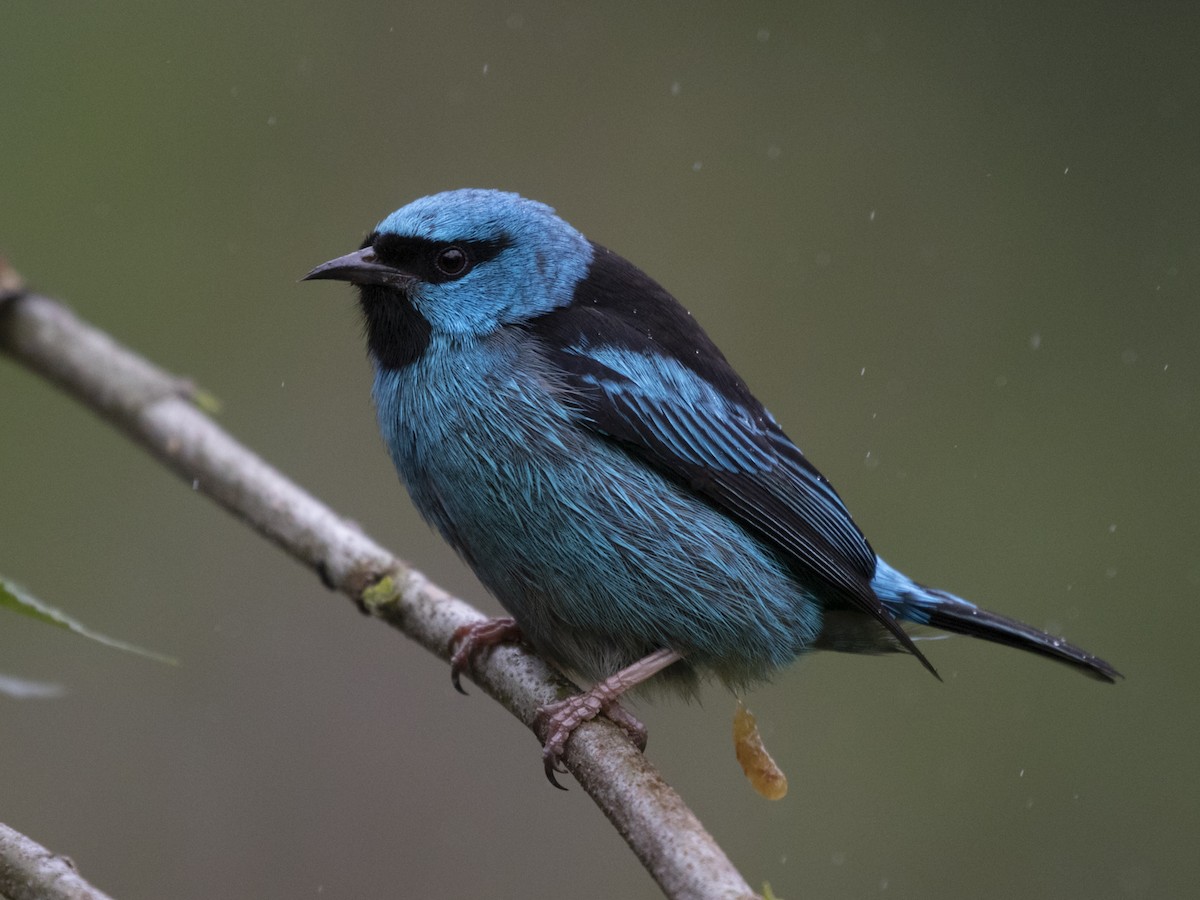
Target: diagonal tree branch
[28,871]
[159,411]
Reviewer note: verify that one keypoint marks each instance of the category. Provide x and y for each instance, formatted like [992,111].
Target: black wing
[647,376]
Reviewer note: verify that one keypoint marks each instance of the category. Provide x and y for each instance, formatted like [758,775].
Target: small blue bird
[573,433]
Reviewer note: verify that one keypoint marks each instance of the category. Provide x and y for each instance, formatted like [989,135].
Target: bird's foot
[627,722]
[470,640]
[556,722]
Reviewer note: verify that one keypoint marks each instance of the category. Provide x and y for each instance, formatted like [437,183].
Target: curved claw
[555,724]
[551,768]
[558,721]
[460,661]
[550,722]
[469,640]
[456,680]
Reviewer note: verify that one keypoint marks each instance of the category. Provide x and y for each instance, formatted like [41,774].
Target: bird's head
[460,264]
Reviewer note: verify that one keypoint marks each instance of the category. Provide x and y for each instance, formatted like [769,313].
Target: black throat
[397,334]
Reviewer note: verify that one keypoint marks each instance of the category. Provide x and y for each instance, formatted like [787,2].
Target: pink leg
[471,639]
[556,721]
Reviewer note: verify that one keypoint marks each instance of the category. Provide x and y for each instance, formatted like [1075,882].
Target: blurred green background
[954,247]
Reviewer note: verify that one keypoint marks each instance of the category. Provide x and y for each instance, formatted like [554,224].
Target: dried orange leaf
[761,771]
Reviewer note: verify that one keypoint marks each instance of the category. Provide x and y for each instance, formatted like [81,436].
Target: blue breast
[602,561]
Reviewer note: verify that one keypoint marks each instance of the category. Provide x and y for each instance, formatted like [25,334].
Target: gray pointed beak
[359,267]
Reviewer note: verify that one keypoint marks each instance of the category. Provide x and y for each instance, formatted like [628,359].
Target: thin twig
[158,411]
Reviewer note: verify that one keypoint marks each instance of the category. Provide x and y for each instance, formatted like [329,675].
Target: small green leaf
[16,598]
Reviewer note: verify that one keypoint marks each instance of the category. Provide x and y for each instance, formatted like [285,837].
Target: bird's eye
[451,262]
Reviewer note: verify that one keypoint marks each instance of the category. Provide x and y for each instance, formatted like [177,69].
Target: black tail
[952,614]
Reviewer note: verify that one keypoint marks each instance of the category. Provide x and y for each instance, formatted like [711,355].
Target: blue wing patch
[642,373]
